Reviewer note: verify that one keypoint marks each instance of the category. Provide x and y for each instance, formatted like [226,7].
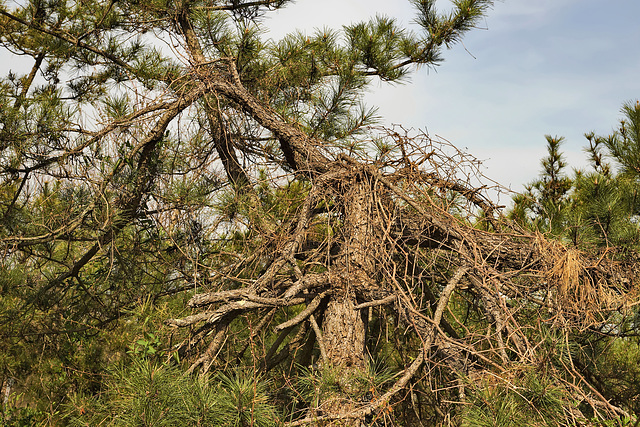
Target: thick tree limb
[299,149]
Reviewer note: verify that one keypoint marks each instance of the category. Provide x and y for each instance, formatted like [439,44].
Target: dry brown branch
[318,333]
[215,316]
[308,311]
[376,303]
[207,358]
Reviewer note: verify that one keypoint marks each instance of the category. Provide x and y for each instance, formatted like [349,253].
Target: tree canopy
[204,226]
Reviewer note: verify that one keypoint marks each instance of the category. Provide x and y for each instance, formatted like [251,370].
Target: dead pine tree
[404,234]
[407,236]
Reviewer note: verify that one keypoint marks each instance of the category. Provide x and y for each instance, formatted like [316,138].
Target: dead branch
[313,305]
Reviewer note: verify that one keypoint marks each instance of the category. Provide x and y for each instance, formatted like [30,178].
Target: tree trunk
[344,342]
[344,331]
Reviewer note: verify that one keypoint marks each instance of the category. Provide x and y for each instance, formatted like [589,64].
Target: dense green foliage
[150,394]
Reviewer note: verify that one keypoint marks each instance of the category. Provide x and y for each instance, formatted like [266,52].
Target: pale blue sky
[536,67]
[559,67]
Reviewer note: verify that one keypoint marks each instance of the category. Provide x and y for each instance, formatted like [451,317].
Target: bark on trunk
[344,341]
[344,330]
[344,333]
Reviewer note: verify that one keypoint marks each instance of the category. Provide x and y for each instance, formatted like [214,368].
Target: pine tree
[597,209]
[545,199]
[597,206]
[170,153]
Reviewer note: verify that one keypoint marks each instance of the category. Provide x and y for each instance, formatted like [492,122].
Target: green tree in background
[541,204]
[200,225]
[597,209]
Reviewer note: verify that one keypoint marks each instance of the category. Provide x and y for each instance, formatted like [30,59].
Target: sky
[533,67]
